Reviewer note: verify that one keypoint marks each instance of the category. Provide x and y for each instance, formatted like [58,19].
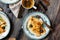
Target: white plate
[9,1]
[7,28]
[44,17]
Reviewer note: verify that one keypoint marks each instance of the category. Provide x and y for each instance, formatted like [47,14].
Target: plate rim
[9,3]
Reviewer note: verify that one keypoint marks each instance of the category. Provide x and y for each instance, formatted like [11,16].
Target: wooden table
[53,13]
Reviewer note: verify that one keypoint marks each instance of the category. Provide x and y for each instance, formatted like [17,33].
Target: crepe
[34,25]
[2,25]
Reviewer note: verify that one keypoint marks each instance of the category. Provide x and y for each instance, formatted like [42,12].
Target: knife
[21,11]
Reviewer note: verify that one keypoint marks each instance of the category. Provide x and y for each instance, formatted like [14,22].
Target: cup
[28,4]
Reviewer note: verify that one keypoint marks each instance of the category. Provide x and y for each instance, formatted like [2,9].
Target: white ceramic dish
[44,17]
[7,28]
[9,1]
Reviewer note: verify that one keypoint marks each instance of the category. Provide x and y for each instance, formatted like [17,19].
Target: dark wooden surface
[53,13]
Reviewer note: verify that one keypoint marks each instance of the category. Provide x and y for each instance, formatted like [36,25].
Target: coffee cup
[28,4]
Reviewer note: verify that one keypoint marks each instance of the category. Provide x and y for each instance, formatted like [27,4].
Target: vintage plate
[44,17]
[9,1]
[7,28]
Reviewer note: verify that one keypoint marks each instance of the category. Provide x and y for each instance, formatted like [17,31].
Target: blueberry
[30,25]
[3,27]
[41,31]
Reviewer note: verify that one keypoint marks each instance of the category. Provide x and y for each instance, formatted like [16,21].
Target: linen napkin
[15,8]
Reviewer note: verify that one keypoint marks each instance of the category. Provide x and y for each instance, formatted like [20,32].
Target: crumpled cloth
[15,8]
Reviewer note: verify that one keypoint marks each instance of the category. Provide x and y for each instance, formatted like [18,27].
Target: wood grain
[53,13]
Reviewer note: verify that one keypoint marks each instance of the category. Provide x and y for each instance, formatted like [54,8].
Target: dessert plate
[44,17]
[7,27]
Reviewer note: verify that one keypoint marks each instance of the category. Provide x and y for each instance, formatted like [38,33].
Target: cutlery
[20,14]
[45,23]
